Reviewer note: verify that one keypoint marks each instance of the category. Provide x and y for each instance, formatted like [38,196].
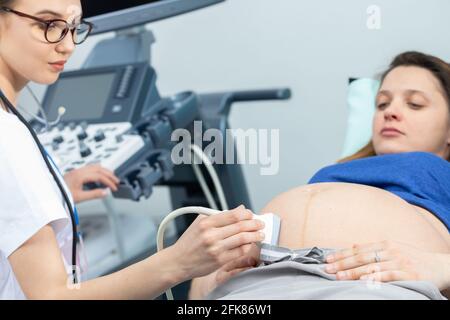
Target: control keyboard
[73,145]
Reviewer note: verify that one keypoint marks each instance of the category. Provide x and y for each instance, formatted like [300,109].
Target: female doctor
[37,217]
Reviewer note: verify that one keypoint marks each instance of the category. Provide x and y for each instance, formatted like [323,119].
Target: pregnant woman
[382,214]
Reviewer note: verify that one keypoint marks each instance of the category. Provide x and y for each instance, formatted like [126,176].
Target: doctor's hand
[201,286]
[389,261]
[212,242]
[249,260]
[76,179]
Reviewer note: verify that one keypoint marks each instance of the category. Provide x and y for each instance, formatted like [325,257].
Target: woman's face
[23,48]
[412,113]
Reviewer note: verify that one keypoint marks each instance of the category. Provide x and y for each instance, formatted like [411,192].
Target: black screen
[94,8]
[84,97]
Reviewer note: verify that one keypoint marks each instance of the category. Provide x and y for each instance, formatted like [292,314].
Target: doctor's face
[412,113]
[24,49]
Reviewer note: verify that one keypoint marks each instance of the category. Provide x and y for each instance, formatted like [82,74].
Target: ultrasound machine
[115,116]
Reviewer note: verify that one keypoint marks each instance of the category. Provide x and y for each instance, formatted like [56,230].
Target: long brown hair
[439,68]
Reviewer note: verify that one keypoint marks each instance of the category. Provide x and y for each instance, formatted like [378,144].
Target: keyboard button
[82,135]
[99,136]
[58,139]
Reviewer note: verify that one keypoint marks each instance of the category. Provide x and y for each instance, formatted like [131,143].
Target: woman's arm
[208,244]
[76,179]
[40,271]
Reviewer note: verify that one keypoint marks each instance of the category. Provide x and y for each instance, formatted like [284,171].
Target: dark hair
[439,68]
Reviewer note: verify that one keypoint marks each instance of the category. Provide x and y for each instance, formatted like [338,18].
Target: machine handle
[258,95]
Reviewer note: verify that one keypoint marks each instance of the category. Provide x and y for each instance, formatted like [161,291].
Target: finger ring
[377,258]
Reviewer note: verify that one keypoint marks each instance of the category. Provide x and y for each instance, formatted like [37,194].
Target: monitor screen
[119,14]
[96,8]
[77,96]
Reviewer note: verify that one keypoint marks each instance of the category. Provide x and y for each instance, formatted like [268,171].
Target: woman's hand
[200,287]
[212,242]
[389,261]
[76,179]
[250,259]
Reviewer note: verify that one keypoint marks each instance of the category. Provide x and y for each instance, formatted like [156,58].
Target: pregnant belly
[337,215]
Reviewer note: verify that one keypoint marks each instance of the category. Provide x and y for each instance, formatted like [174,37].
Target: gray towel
[300,275]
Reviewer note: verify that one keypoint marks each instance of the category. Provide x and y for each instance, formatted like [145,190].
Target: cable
[61,112]
[174,214]
[213,174]
[201,179]
[44,121]
[41,109]
[199,210]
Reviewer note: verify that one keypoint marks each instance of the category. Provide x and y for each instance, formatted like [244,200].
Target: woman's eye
[415,105]
[381,105]
[41,26]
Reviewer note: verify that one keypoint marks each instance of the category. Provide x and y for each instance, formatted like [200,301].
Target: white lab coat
[29,200]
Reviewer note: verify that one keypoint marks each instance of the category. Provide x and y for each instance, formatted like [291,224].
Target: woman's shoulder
[427,156]
[10,124]
[416,161]
[413,158]
[17,146]
[394,164]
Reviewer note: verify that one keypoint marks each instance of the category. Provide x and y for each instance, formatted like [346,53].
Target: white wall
[311,46]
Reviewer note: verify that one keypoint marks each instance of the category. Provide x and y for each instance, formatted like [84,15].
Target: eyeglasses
[55,30]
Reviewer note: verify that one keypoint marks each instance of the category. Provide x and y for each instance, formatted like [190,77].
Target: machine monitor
[102,95]
[114,15]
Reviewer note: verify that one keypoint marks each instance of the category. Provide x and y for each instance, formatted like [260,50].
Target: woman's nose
[392,112]
[66,45]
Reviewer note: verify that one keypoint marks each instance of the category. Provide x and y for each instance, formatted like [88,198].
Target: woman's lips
[57,66]
[390,132]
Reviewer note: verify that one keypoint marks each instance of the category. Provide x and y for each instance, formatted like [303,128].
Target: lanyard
[77,222]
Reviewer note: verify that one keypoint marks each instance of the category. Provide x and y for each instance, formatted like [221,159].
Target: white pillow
[361,104]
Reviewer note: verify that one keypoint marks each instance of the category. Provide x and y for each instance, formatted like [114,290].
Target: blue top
[420,178]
